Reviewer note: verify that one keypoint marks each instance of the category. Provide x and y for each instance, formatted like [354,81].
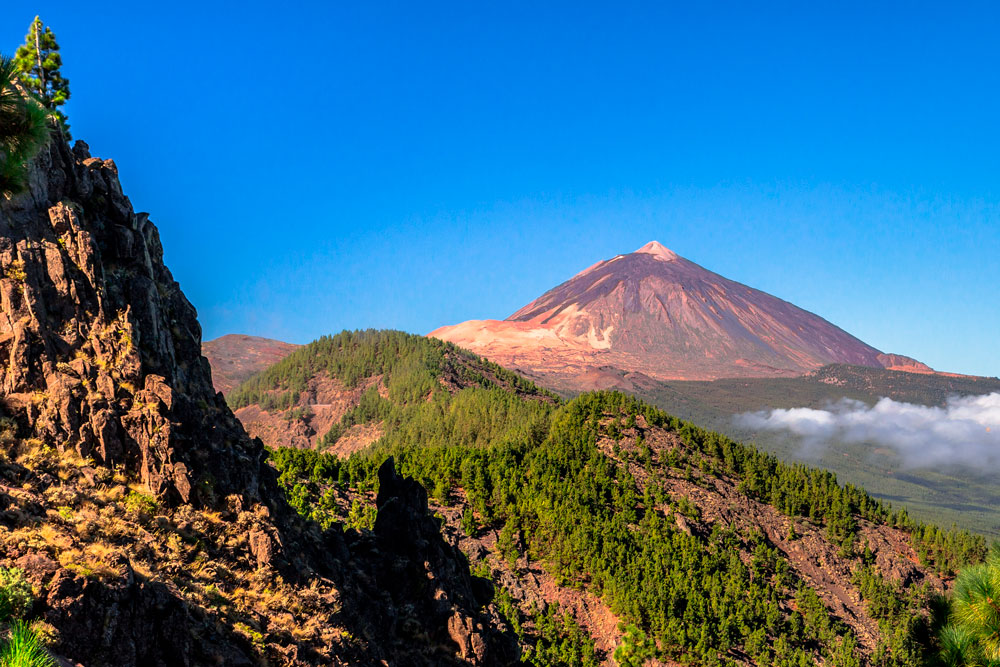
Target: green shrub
[15,593]
[361,516]
[24,648]
[140,503]
[8,431]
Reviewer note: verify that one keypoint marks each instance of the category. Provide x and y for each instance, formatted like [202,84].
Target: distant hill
[706,348]
[299,402]
[321,393]
[727,396]
[236,357]
[656,313]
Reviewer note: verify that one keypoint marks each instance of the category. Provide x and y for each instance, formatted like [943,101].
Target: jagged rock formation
[413,537]
[104,392]
[656,313]
[101,351]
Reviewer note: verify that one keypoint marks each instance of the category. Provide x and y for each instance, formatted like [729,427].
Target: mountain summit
[659,251]
[656,313]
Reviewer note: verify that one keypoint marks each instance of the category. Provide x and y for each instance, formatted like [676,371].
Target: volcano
[655,313]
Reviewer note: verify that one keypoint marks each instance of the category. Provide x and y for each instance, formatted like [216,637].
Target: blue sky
[345,165]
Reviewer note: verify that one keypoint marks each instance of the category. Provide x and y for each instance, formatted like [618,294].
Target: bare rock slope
[656,313]
[237,357]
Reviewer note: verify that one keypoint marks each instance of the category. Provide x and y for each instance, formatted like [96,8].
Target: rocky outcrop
[102,385]
[99,349]
[424,566]
[144,623]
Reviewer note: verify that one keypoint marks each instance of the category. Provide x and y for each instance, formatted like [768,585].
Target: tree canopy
[552,493]
[39,65]
[23,130]
[972,638]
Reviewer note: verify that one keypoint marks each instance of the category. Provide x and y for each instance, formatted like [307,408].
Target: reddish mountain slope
[236,357]
[657,313]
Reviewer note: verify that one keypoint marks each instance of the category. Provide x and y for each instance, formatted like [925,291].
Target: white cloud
[966,431]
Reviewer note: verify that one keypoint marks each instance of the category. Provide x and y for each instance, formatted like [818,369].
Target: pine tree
[39,62]
[973,637]
[23,130]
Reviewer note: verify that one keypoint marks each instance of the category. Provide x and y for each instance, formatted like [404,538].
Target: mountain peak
[675,320]
[659,251]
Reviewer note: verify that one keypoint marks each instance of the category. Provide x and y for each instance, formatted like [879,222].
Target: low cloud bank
[965,432]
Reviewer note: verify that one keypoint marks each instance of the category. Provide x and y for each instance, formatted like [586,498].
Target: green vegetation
[594,525]
[410,366]
[15,593]
[903,633]
[942,497]
[23,131]
[23,648]
[588,489]
[972,638]
[552,637]
[140,503]
[39,64]
[635,649]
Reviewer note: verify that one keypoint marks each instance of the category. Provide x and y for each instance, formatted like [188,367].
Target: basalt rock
[100,356]
[423,566]
[99,349]
[143,623]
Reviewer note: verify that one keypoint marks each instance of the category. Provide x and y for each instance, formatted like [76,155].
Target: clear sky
[329,165]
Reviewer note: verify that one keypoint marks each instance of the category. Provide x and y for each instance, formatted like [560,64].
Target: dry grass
[79,516]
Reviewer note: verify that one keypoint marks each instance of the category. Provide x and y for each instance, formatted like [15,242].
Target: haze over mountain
[659,314]
[237,357]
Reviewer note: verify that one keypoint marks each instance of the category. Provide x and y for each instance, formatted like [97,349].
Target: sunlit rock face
[105,393]
[100,350]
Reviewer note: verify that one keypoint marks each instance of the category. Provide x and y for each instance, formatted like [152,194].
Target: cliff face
[104,392]
[101,352]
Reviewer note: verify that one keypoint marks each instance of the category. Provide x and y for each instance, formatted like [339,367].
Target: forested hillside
[615,531]
[340,390]
[965,496]
[312,403]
